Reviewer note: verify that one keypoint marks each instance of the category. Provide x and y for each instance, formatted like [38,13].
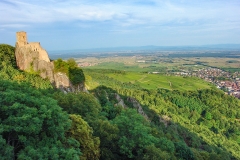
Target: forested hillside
[115,120]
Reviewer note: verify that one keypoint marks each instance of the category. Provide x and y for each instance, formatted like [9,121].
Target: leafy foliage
[11,74]
[76,75]
[61,66]
[78,103]
[183,151]
[199,124]
[206,120]
[82,132]
[33,125]
[134,136]
[7,55]
[70,68]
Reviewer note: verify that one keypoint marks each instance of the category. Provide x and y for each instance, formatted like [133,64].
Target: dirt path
[142,78]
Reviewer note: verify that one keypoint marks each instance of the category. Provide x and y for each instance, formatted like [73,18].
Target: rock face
[138,106]
[120,101]
[32,57]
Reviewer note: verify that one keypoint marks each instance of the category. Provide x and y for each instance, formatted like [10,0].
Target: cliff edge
[30,56]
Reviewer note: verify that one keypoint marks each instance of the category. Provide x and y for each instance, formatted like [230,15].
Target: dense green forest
[113,121]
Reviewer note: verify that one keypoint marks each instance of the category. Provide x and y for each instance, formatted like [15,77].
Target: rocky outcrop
[61,80]
[45,69]
[120,101]
[138,106]
[32,57]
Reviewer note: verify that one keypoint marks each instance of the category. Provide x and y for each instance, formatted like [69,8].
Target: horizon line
[220,46]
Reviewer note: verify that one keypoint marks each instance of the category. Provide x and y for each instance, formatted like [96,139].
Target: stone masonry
[32,57]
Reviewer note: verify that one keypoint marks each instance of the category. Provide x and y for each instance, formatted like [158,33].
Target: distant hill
[140,49]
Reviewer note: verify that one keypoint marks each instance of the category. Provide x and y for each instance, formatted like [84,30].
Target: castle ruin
[32,50]
[30,56]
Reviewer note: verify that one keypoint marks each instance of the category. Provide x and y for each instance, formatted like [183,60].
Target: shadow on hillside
[169,129]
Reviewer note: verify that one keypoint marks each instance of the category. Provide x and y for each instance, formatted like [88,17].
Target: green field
[119,66]
[154,81]
[136,73]
[161,64]
[146,81]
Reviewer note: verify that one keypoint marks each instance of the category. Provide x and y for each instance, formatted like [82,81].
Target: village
[226,81]
[229,82]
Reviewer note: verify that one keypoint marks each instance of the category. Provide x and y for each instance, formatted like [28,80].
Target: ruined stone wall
[31,56]
[35,46]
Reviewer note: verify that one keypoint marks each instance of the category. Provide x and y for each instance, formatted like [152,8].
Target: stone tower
[21,39]
[30,56]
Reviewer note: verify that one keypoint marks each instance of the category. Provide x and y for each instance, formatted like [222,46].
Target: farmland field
[149,81]
[153,81]
[138,69]
[160,64]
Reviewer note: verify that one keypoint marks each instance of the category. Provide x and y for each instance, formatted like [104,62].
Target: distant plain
[152,70]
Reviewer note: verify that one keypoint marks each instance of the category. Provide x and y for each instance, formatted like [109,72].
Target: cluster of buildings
[230,87]
[228,82]
[84,64]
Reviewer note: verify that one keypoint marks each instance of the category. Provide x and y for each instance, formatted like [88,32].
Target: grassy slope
[153,81]
[148,81]
[118,66]
[178,83]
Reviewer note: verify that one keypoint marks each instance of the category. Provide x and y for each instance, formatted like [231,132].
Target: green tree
[9,73]
[82,132]
[183,151]
[166,145]
[80,103]
[71,63]
[76,75]
[153,153]
[7,55]
[134,133]
[208,115]
[71,69]
[61,66]
[6,151]
[33,125]
[108,134]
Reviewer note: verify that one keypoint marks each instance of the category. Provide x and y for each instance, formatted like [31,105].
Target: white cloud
[124,13]
[13,25]
[155,18]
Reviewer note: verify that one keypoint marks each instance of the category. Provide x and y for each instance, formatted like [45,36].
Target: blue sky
[81,24]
